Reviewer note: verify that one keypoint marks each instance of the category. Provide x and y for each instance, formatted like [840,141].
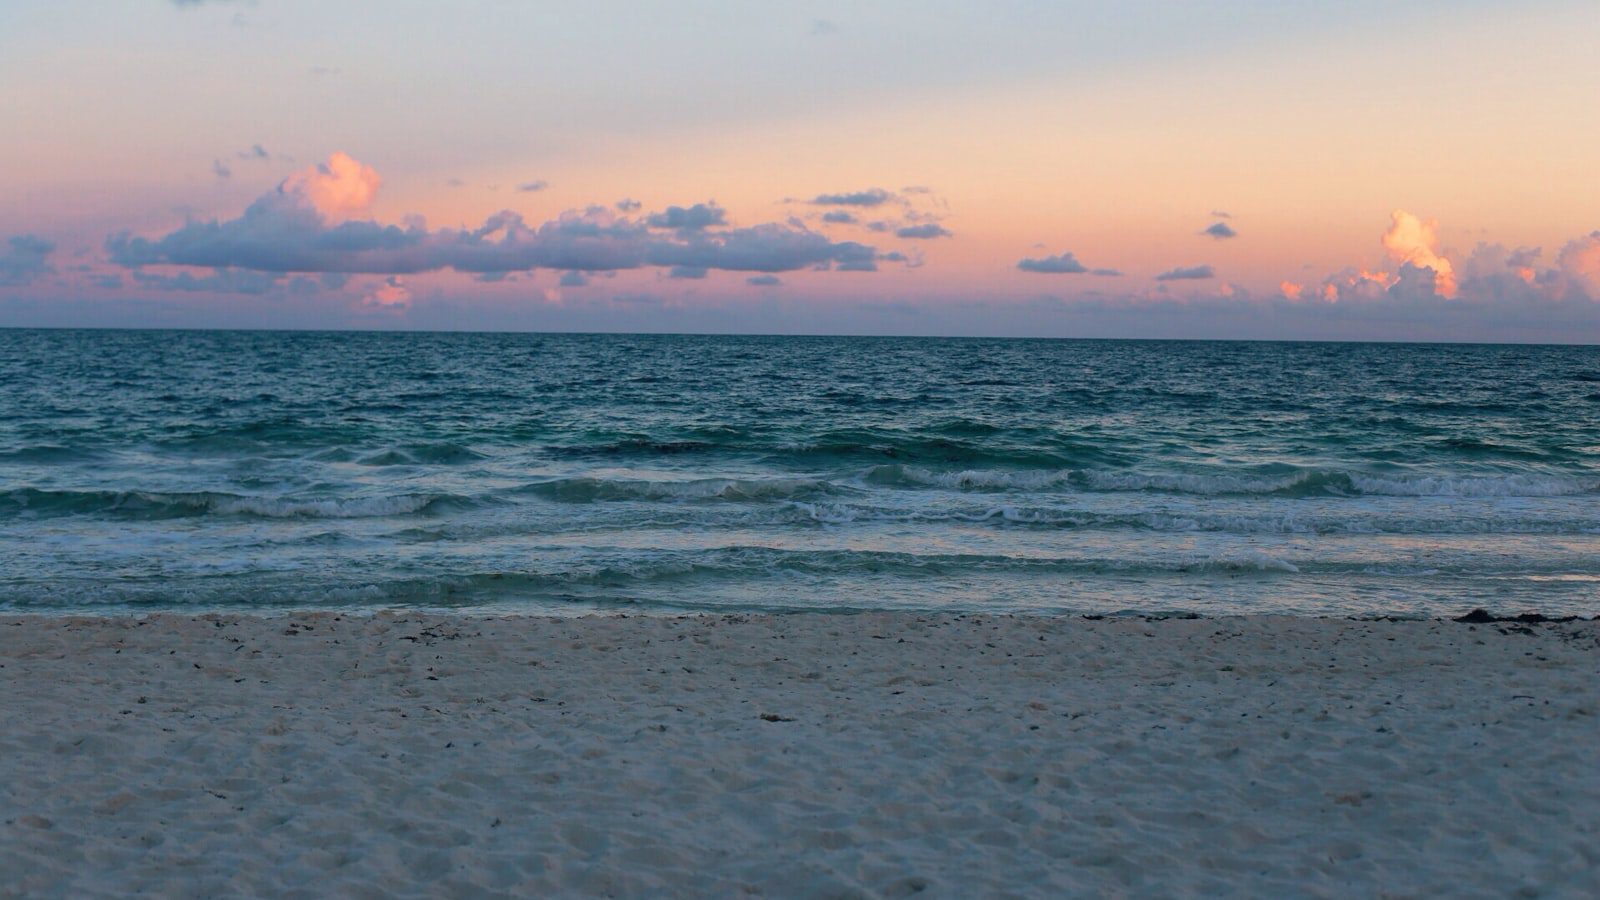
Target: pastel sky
[1366,169]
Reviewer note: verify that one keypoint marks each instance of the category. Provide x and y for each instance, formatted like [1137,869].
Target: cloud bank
[310,224]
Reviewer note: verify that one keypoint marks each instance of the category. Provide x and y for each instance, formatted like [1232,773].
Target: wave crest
[1305,482]
[160,505]
[590,489]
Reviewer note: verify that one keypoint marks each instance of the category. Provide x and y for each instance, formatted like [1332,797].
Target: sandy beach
[807,755]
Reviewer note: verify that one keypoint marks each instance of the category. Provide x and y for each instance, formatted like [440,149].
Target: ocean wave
[746,562]
[645,574]
[982,447]
[589,489]
[1509,485]
[640,447]
[1286,521]
[1093,480]
[158,505]
[1210,484]
[1302,483]
[329,508]
[766,576]
[422,454]
[49,453]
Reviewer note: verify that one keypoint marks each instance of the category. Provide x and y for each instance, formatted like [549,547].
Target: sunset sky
[1406,169]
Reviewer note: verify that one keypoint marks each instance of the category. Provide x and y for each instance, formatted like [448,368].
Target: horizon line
[765,334]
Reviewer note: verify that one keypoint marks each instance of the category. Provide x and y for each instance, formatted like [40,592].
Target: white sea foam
[1242,559]
[1512,485]
[1189,483]
[975,479]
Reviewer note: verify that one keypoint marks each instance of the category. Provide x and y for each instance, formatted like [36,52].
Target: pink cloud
[340,188]
[391,293]
[1411,241]
[1579,261]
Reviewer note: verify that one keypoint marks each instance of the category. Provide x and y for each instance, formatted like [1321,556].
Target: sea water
[568,473]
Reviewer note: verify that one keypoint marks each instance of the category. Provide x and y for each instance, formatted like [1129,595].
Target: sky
[1396,170]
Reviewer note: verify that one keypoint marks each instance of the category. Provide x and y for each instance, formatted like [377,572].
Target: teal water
[574,472]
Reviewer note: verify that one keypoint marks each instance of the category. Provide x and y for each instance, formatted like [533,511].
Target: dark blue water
[574,472]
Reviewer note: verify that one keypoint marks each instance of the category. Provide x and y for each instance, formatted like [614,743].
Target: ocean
[543,473]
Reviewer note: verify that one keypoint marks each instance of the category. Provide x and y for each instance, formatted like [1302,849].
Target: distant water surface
[539,473]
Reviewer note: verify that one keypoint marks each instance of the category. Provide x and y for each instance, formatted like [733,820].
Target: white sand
[424,755]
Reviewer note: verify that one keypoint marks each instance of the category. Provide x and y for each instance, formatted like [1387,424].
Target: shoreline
[869,754]
[1475,616]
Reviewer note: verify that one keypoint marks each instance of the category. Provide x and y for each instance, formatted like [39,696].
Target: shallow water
[573,472]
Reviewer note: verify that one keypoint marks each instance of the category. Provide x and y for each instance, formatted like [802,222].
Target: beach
[879,754]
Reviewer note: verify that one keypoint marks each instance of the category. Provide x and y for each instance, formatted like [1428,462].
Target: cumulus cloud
[839,217]
[306,226]
[1187,273]
[1410,241]
[26,258]
[1060,264]
[627,205]
[1355,284]
[1221,231]
[922,232]
[336,189]
[870,197]
[698,217]
[1493,284]
[1579,261]
[528,187]
[1490,274]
